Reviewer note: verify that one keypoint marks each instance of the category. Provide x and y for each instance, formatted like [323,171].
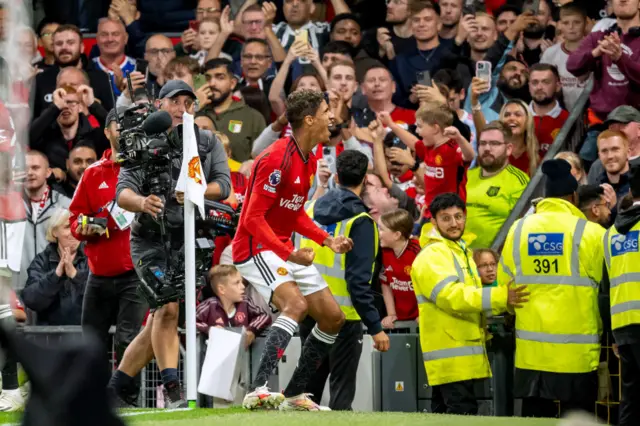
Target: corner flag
[191,181]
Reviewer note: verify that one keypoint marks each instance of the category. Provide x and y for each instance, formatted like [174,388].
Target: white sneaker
[24,390]
[263,398]
[302,402]
[11,400]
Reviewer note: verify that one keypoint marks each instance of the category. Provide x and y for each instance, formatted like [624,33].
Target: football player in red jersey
[264,254]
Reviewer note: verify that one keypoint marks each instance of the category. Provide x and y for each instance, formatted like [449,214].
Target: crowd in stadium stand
[471,96]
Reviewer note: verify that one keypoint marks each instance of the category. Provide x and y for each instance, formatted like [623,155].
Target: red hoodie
[108,256]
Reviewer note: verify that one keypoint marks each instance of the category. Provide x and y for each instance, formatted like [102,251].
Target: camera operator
[160,337]
[111,295]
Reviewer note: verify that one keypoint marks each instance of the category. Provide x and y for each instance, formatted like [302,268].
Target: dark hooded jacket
[340,204]
[625,221]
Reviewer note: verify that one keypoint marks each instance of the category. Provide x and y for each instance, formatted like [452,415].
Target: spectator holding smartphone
[399,251]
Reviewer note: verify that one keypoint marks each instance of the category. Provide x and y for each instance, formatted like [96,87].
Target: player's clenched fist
[303,257]
[339,244]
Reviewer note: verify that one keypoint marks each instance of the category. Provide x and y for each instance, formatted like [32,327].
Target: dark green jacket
[241,123]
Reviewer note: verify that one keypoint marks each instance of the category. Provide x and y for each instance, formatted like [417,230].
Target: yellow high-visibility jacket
[623,264]
[558,254]
[451,303]
[332,265]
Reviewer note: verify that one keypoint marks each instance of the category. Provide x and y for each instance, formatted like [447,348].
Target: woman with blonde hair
[514,114]
[57,277]
[577,170]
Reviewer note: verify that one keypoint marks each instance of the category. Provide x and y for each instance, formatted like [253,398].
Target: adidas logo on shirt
[103,185]
[297,180]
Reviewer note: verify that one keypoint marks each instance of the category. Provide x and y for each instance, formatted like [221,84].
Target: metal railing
[569,138]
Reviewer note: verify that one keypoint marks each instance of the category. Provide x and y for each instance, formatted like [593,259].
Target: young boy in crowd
[573,21]
[229,307]
[446,153]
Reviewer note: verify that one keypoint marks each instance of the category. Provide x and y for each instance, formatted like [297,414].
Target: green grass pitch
[238,416]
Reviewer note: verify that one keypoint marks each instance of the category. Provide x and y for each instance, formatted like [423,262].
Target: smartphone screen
[235,6]
[424,78]
[303,35]
[194,25]
[469,10]
[483,70]
[142,66]
[199,80]
[532,6]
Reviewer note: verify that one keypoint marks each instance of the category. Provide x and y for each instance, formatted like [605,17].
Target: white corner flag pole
[192,183]
[190,301]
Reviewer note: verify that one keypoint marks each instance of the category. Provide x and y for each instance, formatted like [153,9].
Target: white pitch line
[157,411]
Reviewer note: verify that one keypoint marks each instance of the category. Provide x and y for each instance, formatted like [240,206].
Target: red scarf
[42,200]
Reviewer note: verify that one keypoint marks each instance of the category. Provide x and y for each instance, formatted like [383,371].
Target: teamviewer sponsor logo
[546,244]
[621,244]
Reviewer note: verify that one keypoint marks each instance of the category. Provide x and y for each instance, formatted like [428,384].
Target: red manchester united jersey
[446,170]
[396,273]
[278,186]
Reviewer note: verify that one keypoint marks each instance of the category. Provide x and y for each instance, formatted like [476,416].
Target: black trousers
[630,377]
[455,398]
[113,301]
[341,364]
[540,390]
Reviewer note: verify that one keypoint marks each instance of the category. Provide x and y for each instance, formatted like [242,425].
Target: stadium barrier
[570,137]
[392,381]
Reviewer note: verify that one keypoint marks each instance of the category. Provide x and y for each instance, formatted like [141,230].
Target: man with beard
[508,81]
[61,126]
[613,151]
[625,119]
[452,309]
[67,50]
[594,205]
[614,56]
[493,189]
[241,123]
[81,156]
[396,37]
[548,115]
[450,14]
